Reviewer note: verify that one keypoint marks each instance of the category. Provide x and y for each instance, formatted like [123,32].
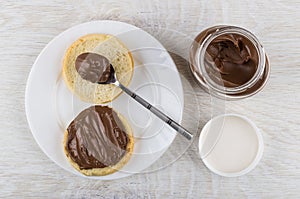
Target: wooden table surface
[27,26]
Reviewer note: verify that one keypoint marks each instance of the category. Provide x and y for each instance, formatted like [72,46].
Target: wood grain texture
[27,26]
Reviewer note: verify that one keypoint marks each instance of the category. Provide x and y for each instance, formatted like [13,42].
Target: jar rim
[231,30]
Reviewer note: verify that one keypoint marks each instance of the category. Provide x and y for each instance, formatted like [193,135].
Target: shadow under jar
[229,62]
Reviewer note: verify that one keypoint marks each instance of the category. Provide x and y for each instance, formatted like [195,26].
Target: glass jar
[211,81]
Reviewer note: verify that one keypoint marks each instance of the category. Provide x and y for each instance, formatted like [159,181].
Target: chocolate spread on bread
[96,138]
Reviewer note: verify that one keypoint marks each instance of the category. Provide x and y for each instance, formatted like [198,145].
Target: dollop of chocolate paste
[93,67]
[231,60]
[96,138]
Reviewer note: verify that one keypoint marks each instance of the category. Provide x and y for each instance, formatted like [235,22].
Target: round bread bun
[109,169]
[111,48]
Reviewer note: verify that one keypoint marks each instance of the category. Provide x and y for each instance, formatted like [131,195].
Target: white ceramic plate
[50,106]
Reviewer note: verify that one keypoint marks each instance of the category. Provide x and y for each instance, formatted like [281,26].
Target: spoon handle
[177,127]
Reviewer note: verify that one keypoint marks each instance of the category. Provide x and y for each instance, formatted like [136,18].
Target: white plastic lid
[230,145]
